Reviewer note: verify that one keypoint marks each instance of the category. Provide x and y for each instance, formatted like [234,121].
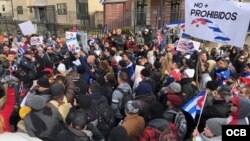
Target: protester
[53,80]
[212,131]
[239,111]
[133,123]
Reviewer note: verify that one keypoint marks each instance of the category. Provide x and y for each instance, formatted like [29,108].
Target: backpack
[180,122]
[127,96]
[153,134]
[105,112]
[170,133]
[106,120]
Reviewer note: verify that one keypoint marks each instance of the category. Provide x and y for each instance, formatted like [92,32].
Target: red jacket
[8,109]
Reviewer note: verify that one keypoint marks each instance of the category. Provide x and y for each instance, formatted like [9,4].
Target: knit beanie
[176,87]
[37,102]
[43,82]
[174,99]
[48,71]
[132,107]
[215,125]
[143,89]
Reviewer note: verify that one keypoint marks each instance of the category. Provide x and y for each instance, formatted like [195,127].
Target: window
[19,10]
[82,9]
[3,6]
[62,8]
[175,11]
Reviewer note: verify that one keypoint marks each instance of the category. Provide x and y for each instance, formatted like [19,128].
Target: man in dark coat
[219,108]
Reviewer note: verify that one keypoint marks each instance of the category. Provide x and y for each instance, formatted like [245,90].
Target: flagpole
[198,122]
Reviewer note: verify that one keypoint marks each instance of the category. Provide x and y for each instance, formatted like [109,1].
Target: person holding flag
[212,131]
[219,107]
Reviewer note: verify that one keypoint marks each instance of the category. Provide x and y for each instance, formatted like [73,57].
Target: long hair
[1,124]
[166,62]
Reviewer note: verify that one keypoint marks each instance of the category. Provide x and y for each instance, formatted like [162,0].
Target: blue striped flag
[195,105]
[20,51]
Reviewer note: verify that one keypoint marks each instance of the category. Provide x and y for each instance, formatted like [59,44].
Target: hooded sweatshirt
[240,117]
[117,99]
[8,109]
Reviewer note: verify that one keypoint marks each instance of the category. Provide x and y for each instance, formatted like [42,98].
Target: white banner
[27,28]
[36,40]
[218,21]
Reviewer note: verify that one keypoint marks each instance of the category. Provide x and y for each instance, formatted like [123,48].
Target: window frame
[19,10]
[175,10]
[3,8]
[61,8]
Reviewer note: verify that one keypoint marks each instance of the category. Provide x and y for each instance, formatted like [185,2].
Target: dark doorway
[42,14]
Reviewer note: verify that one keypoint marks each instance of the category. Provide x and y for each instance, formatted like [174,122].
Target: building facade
[5,9]
[80,12]
[154,13]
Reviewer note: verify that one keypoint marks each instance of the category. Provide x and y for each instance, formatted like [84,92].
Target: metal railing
[11,26]
[137,19]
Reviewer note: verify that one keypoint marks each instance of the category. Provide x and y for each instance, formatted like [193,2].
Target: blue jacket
[87,74]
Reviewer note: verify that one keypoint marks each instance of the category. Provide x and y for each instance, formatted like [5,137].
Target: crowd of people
[123,88]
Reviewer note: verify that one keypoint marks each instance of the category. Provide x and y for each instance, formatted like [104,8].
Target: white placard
[218,21]
[36,40]
[70,35]
[73,45]
[27,28]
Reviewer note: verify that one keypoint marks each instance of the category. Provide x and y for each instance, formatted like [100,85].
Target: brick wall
[113,11]
[155,12]
[167,11]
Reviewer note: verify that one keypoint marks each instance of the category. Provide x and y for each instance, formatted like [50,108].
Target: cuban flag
[195,105]
[218,34]
[13,68]
[20,51]
[245,79]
